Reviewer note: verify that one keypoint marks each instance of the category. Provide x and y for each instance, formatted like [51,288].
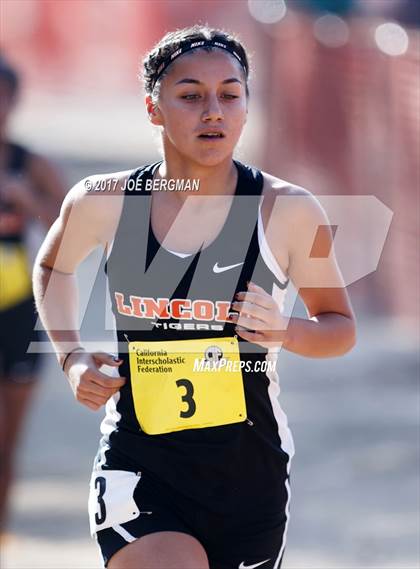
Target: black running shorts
[231,542]
[16,333]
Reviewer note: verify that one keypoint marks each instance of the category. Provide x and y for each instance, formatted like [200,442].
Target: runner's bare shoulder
[289,202]
[274,186]
[299,229]
[88,219]
[290,215]
[97,201]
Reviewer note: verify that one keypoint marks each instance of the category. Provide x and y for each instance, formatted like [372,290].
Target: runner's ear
[153,111]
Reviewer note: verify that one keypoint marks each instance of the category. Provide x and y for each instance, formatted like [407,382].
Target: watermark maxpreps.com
[223,365]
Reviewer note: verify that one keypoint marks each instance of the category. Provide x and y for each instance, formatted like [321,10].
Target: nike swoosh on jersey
[243,566]
[217,269]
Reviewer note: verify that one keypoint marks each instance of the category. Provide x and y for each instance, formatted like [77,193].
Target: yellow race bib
[186,384]
[15,280]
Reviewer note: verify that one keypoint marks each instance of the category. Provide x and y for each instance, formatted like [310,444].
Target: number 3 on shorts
[100,484]
[111,499]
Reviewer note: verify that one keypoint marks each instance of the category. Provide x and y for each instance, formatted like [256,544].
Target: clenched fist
[90,386]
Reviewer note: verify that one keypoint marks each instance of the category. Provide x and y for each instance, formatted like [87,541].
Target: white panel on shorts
[118,498]
[124,534]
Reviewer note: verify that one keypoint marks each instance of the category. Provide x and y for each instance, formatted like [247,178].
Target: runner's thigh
[161,550]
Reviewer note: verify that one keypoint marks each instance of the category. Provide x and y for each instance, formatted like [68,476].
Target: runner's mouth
[211,135]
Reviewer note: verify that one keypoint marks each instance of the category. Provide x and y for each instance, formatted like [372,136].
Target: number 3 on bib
[188,397]
[179,385]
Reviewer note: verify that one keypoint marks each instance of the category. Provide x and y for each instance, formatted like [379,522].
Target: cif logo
[213,354]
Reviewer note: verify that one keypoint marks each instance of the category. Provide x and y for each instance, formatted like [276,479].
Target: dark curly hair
[173,40]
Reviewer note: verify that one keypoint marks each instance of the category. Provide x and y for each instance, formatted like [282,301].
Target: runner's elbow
[349,337]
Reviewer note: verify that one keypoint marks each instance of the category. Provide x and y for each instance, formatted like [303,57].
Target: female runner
[30,189]
[193,466]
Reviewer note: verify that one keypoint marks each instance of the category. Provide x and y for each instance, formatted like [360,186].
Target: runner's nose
[213,110]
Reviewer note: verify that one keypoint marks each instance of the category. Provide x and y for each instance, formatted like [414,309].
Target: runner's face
[203,92]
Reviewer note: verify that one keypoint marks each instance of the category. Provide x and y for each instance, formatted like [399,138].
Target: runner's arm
[330,330]
[69,241]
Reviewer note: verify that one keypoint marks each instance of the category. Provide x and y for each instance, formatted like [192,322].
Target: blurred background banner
[335,107]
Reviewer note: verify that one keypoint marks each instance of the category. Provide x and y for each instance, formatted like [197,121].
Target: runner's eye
[190,97]
[195,96]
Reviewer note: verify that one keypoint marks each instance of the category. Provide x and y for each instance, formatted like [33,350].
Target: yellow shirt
[15,278]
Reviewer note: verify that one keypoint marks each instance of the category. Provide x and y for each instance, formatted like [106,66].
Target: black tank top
[158,295]
[140,269]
